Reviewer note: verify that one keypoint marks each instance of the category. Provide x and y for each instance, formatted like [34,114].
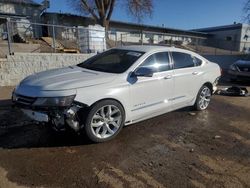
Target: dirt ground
[178,149]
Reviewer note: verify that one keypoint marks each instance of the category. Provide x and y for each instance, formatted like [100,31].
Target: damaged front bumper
[58,117]
[37,116]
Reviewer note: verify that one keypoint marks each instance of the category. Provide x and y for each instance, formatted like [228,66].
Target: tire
[203,98]
[104,121]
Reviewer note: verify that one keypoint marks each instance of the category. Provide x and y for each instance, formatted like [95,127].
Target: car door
[187,78]
[150,94]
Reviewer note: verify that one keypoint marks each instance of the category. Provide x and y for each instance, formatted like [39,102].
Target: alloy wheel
[205,97]
[106,121]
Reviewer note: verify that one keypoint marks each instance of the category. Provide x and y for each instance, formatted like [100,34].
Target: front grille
[20,99]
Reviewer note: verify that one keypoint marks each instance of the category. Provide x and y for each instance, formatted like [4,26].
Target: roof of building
[11,15]
[159,29]
[132,26]
[27,2]
[220,28]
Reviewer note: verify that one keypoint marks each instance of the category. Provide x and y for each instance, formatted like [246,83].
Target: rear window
[197,61]
[182,60]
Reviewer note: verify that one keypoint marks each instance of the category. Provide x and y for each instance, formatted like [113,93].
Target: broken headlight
[54,101]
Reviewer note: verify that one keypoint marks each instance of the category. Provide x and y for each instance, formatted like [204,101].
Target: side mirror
[143,72]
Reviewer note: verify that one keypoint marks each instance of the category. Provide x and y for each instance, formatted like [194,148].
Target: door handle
[168,77]
[195,73]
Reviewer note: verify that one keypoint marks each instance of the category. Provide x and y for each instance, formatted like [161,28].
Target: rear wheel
[104,121]
[203,98]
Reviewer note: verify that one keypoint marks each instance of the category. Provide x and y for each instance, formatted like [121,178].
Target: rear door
[187,78]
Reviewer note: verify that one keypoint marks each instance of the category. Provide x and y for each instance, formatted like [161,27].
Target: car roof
[145,48]
[149,48]
[243,62]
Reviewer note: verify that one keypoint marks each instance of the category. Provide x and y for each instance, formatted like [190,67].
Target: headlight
[55,101]
[233,67]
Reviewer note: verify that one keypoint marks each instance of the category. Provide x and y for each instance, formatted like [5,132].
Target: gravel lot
[178,149]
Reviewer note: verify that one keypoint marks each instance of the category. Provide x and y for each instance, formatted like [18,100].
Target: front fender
[93,95]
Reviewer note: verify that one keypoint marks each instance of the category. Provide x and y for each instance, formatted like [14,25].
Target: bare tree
[140,8]
[246,10]
[101,10]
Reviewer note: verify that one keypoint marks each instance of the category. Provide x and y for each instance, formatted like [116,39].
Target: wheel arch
[209,85]
[113,99]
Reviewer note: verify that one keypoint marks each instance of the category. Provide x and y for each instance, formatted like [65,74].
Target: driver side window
[159,62]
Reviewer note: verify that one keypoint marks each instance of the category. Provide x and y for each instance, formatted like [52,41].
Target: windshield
[112,61]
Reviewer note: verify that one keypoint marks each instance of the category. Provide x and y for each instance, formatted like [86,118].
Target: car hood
[243,63]
[67,78]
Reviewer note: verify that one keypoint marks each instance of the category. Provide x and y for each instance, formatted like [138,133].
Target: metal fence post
[54,41]
[115,38]
[9,37]
[103,44]
[141,37]
[196,44]
[88,34]
[77,39]
[121,39]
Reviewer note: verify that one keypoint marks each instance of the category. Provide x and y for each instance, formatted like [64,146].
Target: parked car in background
[239,70]
[118,87]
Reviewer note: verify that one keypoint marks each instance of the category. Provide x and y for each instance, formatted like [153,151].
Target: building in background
[30,23]
[235,37]
[126,32]
[24,11]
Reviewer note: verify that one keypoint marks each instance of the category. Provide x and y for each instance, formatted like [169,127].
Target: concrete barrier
[16,67]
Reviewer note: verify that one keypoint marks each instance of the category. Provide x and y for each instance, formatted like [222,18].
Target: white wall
[20,9]
[219,39]
[245,43]
[16,67]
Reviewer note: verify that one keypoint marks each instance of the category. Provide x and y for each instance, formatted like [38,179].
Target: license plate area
[37,116]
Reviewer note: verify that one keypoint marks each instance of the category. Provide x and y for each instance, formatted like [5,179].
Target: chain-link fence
[200,45]
[24,36]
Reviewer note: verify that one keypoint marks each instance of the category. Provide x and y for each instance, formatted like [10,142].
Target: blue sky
[182,14]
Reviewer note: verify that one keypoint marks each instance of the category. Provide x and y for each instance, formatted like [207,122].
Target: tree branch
[111,8]
[89,9]
[102,9]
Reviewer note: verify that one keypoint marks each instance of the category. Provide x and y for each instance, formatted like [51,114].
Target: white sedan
[118,87]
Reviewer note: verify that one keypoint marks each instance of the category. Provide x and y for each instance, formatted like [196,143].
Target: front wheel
[203,98]
[104,121]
